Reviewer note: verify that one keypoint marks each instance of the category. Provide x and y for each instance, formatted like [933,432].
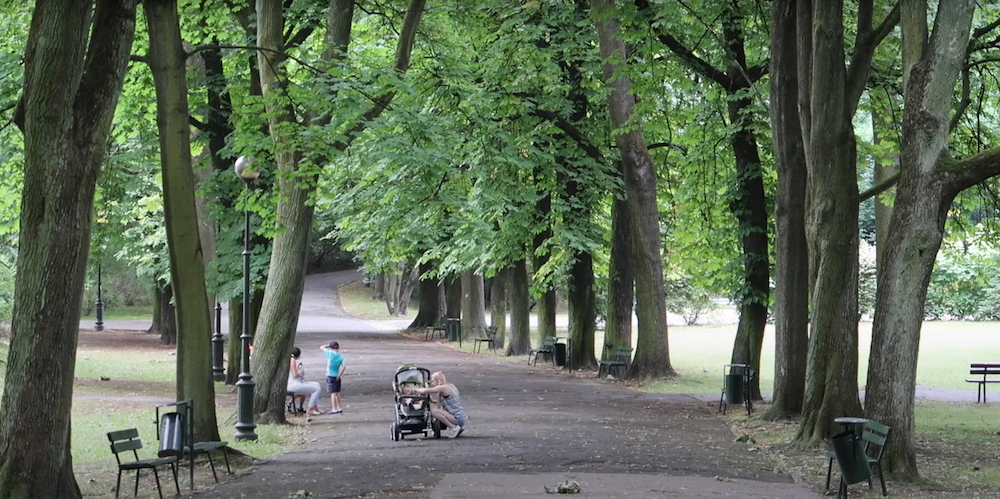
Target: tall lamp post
[218,370]
[99,306]
[245,385]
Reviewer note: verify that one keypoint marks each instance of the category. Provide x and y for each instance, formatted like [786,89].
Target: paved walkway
[530,428]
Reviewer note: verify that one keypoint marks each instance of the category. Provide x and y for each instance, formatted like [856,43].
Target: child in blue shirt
[334,372]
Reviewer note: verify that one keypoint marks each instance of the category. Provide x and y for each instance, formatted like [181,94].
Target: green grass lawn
[136,313]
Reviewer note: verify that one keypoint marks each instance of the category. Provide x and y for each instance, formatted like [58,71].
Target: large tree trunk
[652,355]
[582,312]
[621,278]
[545,308]
[71,88]
[520,310]
[187,264]
[498,304]
[275,334]
[428,309]
[453,296]
[928,183]
[473,305]
[831,227]
[791,321]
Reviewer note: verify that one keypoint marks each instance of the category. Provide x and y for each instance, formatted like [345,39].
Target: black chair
[490,339]
[547,350]
[874,436]
[432,331]
[128,440]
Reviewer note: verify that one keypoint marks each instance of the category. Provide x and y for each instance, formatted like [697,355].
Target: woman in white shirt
[298,385]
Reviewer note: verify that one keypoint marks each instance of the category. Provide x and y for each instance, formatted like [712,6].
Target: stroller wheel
[396,435]
[436,427]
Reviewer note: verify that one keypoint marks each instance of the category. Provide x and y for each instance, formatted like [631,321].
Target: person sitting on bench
[298,385]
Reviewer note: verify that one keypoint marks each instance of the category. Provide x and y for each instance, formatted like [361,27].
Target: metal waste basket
[453,328]
[171,435]
[735,388]
[850,451]
[560,354]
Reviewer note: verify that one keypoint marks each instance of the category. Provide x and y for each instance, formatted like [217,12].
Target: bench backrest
[491,332]
[875,435]
[124,441]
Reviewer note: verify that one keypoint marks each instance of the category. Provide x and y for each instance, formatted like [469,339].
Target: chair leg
[135,492]
[156,475]
[118,485]
[177,485]
[881,480]
[211,464]
[225,455]
[829,470]
[842,493]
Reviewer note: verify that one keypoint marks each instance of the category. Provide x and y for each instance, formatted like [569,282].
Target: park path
[530,427]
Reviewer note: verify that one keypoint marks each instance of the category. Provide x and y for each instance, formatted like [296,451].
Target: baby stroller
[413,412]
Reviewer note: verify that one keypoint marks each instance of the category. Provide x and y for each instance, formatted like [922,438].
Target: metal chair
[490,339]
[128,440]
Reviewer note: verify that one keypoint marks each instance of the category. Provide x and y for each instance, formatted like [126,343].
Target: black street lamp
[218,371]
[99,306]
[245,385]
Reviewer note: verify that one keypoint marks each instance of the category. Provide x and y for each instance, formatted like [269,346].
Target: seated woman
[448,408]
[298,385]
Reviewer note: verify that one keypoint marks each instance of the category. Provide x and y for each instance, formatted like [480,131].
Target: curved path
[529,427]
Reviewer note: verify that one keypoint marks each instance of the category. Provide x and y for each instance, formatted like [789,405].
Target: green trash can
[734,388]
[453,328]
[560,354]
[850,451]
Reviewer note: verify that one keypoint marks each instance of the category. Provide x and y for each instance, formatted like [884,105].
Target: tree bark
[928,183]
[453,296]
[473,305]
[498,305]
[70,91]
[428,308]
[520,310]
[652,354]
[582,312]
[167,315]
[545,308]
[621,278]
[791,321]
[831,227]
[187,263]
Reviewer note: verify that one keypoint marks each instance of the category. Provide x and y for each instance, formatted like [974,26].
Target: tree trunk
[546,303]
[392,293]
[652,355]
[167,315]
[275,334]
[453,296]
[520,310]
[582,312]
[473,305]
[498,305]
[928,183]
[65,113]
[791,317]
[831,228]
[378,287]
[187,264]
[428,309]
[621,278]
[410,275]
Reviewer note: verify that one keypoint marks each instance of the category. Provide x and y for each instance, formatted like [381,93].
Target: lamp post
[245,385]
[99,306]
[218,371]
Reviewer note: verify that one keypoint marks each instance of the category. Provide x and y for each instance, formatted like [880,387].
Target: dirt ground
[531,428]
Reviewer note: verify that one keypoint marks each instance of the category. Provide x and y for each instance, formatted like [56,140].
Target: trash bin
[850,451]
[171,435]
[734,388]
[560,354]
[453,327]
